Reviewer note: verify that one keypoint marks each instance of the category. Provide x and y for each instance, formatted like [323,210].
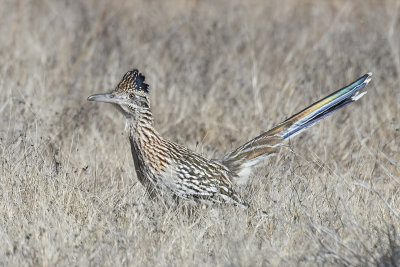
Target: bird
[177,174]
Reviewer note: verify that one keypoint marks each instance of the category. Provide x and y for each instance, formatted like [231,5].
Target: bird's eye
[131,96]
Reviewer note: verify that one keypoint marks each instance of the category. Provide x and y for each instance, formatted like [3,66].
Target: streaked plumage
[174,172]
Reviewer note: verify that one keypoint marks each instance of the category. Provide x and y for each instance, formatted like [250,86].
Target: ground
[220,73]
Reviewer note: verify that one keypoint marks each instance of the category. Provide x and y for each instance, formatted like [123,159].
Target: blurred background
[220,73]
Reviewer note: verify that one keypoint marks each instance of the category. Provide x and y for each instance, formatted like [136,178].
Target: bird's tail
[241,159]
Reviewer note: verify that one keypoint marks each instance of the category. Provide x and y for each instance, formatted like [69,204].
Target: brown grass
[219,75]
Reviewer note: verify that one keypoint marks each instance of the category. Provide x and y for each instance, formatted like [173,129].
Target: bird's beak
[107,98]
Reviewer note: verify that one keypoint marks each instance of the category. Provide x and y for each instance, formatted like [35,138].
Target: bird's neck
[147,146]
[141,130]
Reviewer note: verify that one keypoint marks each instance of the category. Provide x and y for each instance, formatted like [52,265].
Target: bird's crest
[133,81]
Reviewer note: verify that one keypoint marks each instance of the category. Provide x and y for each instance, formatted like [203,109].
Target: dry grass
[219,74]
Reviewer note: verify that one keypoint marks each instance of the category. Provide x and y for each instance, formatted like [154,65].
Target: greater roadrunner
[176,173]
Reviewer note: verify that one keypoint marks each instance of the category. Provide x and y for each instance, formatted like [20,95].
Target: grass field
[219,74]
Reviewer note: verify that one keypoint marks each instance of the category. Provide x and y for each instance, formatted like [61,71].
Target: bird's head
[130,95]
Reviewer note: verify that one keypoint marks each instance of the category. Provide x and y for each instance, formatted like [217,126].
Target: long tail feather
[322,108]
[268,143]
